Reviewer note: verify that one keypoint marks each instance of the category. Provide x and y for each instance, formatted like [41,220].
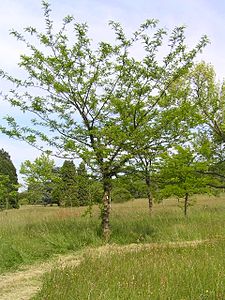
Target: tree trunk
[149,195]
[106,208]
[186,204]
[7,203]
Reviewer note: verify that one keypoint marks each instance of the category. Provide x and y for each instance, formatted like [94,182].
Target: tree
[83,185]
[180,175]
[67,189]
[5,194]
[208,97]
[9,181]
[40,178]
[131,180]
[94,100]
[171,126]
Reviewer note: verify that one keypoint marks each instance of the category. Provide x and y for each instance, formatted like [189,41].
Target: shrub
[120,195]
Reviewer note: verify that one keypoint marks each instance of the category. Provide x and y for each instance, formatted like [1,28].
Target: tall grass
[24,240]
[37,233]
[156,274]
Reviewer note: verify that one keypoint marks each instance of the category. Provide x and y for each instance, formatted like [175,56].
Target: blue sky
[200,17]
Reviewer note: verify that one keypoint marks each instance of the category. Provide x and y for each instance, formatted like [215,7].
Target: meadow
[33,234]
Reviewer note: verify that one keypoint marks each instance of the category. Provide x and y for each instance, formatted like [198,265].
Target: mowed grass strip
[158,274]
[37,233]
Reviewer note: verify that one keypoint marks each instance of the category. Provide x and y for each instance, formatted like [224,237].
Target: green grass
[25,240]
[37,233]
[156,274]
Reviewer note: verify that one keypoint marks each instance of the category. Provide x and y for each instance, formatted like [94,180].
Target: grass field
[168,273]
[37,233]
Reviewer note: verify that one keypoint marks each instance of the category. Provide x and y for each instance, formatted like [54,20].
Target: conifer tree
[68,187]
[8,180]
[83,184]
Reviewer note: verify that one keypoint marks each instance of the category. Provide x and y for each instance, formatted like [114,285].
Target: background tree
[40,178]
[83,185]
[6,194]
[208,98]
[67,190]
[9,181]
[180,175]
[94,100]
[132,181]
[171,126]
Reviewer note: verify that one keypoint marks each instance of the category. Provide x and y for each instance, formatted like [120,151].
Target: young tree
[94,100]
[170,126]
[9,181]
[180,175]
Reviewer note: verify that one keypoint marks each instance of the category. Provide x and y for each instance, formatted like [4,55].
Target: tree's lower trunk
[186,204]
[106,208]
[149,194]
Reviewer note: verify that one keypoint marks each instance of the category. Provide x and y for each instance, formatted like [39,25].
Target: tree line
[65,186]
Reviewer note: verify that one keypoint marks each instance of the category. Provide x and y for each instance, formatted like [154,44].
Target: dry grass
[31,214]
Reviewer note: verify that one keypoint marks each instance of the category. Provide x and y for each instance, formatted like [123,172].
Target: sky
[200,17]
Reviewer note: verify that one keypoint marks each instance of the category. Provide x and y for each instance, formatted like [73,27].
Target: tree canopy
[95,100]
[181,175]
[8,181]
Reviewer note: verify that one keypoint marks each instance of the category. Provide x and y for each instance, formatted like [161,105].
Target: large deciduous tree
[95,98]
[208,97]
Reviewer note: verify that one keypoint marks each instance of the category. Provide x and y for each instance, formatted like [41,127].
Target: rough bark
[106,208]
[149,194]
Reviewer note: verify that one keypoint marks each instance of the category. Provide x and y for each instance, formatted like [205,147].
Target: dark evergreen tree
[83,186]
[8,171]
[68,192]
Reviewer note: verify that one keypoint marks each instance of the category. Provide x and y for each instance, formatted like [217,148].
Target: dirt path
[24,283]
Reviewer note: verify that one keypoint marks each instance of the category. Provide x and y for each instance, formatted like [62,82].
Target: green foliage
[23,198]
[40,171]
[40,178]
[132,181]
[75,187]
[83,185]
[180,175]
[8,182]
[4,192]
[120,195]
[113,89]
[95,191]
[208,98]
[95,100]
[67,191]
